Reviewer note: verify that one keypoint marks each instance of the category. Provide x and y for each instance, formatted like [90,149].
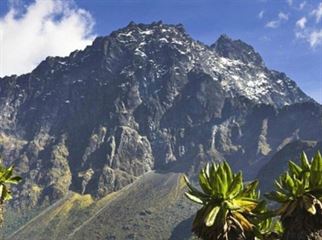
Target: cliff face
[146,97]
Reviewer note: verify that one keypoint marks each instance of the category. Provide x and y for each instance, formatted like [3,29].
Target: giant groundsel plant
[299,193]
[231,209]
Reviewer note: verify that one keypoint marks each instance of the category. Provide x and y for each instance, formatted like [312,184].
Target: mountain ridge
[231,51]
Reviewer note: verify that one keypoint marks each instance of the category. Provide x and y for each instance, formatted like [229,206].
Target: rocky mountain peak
[237,49]
[140,31]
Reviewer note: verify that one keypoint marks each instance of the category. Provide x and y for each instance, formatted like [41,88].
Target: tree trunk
[303,226]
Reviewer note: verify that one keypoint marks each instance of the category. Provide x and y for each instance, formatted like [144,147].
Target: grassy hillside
[153,207]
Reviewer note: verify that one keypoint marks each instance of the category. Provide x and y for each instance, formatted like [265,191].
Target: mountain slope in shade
[146,97]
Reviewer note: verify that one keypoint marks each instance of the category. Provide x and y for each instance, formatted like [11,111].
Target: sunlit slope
[151,208]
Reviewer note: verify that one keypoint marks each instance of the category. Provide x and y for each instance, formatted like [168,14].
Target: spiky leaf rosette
[300,187]
[230,208]
[6,179]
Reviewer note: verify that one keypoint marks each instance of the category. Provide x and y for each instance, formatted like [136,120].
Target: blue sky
[287,33]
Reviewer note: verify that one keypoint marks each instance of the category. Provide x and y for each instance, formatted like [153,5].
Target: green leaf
[218,188]
[193,198]
[228,172]
[294,169]
[1,191]
[222,180]
[204,183]
[299,187]
[7,173]
[279,187]
[236,186]
[289,182]
[211,217]
[207,171]
[6,179]
[305,162]
[309,204]
[245,203]
[316,172]
[194,190]
[229,205]
[5,194]
[277,196]
[14,180]
[317,162]
[250,188]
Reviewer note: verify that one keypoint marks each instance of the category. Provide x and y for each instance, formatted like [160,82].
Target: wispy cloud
[282,17]
[301,23]
[261,14]
[315,38]
[312,36]
[317,13]
[29,34]
[289,2]
[273,24]
[302,5]
[308,28]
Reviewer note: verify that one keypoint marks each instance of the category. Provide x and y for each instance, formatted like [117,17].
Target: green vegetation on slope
[152,207]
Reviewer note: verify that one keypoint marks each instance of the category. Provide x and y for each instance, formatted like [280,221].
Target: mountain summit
[235,64]
[238,50]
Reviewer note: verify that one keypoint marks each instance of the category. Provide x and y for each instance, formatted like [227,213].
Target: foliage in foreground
[230,209]
[299,192]
[6,179]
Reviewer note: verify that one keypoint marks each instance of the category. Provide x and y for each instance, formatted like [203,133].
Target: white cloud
[44,28]
[301,23]
[289,2]
[318,13]
[282,16]
[315,38]
[302,5]
[273,24]
[276,23]
[312,36]
[309,29]
[261,14]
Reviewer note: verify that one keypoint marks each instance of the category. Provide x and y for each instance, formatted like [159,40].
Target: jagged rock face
[237,50]
[146,97]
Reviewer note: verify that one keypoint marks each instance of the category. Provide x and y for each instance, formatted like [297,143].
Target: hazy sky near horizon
[287,33]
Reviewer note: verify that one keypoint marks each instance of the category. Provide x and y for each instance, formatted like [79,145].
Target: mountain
[146,97]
